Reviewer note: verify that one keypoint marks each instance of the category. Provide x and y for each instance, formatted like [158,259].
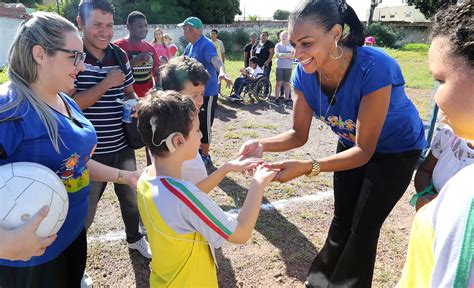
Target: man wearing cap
[203,50]
[248,48]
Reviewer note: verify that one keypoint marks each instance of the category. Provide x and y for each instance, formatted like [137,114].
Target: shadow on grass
[296,251]
[141,269]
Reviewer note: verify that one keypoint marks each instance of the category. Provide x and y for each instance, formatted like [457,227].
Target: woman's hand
[22,243]
[131,177]
[290,169]
[251,148]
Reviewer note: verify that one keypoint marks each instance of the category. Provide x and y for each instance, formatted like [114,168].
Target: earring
[339,49]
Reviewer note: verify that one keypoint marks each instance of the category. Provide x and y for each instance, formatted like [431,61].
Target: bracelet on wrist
[120,177]
[315,169]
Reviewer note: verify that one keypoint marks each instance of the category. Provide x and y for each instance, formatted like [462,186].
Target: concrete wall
[175,31]
[8,26]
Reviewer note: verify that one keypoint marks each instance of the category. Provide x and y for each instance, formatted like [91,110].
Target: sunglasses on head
[79,57]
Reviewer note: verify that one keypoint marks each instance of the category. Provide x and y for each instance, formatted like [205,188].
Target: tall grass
[3,76]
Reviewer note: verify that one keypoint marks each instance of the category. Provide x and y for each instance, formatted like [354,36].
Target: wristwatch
[315,169]
[120,178]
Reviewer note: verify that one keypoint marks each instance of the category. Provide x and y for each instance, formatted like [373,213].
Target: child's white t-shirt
[254,72]
[452,153]
[194,170]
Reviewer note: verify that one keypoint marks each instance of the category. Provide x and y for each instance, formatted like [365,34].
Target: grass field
[414,65]
[3,76]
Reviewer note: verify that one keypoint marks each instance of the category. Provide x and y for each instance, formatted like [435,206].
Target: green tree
[214,12]
[281,14]
[429,8]
[166,11]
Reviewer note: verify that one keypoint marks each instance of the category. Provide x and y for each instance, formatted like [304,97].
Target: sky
[265,8]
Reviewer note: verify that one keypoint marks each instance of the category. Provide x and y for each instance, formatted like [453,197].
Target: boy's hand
[264,175]
[242,164]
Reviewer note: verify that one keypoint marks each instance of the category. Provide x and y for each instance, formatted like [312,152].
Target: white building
[399,14]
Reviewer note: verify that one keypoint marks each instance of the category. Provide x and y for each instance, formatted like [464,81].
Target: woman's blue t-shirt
[370,70]
[26,139]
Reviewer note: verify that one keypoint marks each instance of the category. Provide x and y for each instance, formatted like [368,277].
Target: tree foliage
[166,11]
[429,8]
[281,14]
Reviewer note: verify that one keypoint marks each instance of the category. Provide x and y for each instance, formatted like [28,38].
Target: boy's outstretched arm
[238,165]
[249,213]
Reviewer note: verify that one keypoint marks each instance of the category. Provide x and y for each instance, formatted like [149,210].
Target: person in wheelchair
[249,74]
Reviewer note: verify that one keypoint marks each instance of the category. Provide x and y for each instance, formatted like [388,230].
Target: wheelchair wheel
[262,89]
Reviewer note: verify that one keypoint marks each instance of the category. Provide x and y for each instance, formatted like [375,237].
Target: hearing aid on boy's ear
[168,141]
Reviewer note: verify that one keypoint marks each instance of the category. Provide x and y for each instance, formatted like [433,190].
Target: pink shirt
[161,50]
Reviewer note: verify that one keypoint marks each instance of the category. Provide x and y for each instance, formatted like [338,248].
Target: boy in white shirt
[249,74]
[184,225]
[188,77]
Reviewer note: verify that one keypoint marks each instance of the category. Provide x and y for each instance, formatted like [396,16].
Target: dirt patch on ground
[285,240]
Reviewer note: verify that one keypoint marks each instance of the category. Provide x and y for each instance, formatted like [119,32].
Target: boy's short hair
[253,59]
[215,30]
[171,113]
[86,6]
[135,15]
[181,70]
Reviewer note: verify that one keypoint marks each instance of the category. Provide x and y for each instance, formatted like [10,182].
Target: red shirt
[142,72]
[172,49]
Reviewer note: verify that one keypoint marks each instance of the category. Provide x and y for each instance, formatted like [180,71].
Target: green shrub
[416,47]
[385,35]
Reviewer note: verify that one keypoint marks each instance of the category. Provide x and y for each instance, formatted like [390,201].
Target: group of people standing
[61,102]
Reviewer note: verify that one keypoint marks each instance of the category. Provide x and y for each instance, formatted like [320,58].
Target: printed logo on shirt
[142,71]
[74,177]
[343,128]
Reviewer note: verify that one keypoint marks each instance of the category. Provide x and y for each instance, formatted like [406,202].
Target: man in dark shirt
[248,48]
[264,50]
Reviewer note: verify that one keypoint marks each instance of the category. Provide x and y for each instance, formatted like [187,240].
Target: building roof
[12,10]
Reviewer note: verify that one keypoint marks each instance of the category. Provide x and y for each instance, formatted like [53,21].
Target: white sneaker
[141,246]
[86,280]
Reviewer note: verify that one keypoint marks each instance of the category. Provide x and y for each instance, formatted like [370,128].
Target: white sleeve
[222,46]
[201,214]
[453,223]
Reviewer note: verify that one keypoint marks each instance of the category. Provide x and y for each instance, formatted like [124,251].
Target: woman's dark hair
[171,112]
[327,13]
[457,25]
